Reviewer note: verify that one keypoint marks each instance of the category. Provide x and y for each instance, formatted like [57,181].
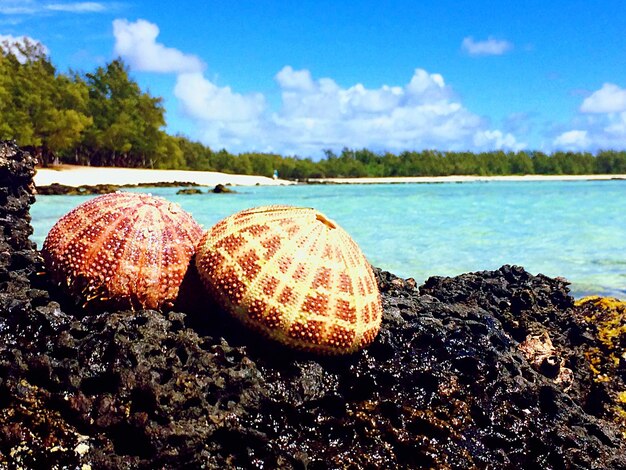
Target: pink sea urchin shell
[126,249]
[293,275]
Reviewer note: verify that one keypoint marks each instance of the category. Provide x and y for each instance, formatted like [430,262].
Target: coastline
[462,179]
[74,175]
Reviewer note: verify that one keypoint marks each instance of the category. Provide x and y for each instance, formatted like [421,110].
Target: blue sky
[301,77]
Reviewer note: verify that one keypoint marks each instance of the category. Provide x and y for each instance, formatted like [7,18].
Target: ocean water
[573,229]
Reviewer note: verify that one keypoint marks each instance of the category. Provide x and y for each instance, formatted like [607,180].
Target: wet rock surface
[222,189]
[56,189]
[485,370]
[189,191]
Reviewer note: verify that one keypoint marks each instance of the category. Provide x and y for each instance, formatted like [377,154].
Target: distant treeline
[103,118]
[356,163]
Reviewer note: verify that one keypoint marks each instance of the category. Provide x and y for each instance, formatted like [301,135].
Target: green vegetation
[103,118]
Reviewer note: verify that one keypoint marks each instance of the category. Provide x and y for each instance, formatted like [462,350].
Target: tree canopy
[103,118]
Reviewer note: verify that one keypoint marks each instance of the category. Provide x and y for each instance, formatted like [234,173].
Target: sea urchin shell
[125,249]
[295,276]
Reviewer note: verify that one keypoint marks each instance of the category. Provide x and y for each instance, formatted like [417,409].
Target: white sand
[465,179]
[70,175]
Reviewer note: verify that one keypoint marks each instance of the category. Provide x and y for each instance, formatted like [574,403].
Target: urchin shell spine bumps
[293,275]
[122,249]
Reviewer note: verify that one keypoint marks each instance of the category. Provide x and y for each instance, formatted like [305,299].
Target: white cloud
[617,127]
[136,43]
[31,7]
[608,99]
[496,139]
[224,119]
[18,7]
[317,113]
[490,46]
[422,114]
[205,101]
[325,115]
[573,140]
[313,113]
[601,123]
[607,131]
[8,42]
[290,79]
[77,7]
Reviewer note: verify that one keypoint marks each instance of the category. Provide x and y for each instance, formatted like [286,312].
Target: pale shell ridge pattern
[295,276]
[130,248]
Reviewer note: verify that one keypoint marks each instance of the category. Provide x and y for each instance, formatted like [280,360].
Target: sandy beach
[70,175]
[464,179]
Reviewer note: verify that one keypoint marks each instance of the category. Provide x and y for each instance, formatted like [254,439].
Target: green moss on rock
[606,318]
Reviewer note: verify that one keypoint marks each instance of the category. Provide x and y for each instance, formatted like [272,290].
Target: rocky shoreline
[484,370]
[56,189]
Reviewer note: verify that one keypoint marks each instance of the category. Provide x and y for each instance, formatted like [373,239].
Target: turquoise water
[574,229]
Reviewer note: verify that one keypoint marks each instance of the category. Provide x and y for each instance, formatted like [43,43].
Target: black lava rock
[56,189]
[222,189]
[189,191]
[484,370]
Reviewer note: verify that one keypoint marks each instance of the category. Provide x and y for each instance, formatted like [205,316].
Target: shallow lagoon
[573,229]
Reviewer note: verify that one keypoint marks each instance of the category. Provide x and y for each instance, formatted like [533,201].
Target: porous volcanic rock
[222,189]
[56,189]
[461,376]
[189,191]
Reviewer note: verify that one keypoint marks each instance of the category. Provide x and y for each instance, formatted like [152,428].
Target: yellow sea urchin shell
[122,249]
[293,275]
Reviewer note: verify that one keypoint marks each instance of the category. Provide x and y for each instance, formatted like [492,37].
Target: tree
[126,129]
[610,161]
[6,98]
[521,164]
[169,155]
[43,109]
[196,155]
